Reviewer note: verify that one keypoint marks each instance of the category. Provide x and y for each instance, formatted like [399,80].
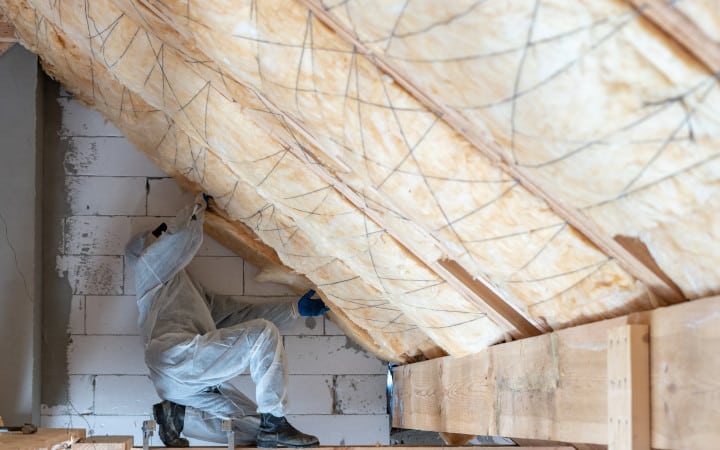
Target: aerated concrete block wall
[109,192]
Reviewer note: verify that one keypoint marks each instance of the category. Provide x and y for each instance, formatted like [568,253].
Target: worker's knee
[271,327]
[268,332]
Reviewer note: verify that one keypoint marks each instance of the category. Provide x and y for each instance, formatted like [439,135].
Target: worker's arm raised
[156,263]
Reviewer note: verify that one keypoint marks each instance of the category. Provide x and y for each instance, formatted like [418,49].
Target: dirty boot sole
[168,431]
[273,443]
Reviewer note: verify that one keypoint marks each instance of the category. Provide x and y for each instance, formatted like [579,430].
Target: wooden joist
[404,447]
[555,386]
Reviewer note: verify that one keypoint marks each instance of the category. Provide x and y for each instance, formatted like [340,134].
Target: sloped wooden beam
[666,293]
[43,438]
[676,25]
[555,386]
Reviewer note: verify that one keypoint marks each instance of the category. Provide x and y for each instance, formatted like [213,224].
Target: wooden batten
[104,443]
[628,388]
[43,438]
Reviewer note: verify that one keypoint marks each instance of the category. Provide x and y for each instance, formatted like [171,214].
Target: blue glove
[207,199]
[308,306]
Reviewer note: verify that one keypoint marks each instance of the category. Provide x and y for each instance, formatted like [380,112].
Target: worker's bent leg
[218,356]
[228,311]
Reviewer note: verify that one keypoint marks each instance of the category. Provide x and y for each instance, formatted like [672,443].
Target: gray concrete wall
[19,237]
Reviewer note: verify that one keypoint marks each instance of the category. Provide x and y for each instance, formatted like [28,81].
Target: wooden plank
[628,388]
[666,293]
[536,442]
[403,447]
[104,443]
[487,299]
[554,386]
[682,30]
[44,438]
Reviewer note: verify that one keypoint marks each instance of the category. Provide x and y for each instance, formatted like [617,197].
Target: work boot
[170,418]
[277,432]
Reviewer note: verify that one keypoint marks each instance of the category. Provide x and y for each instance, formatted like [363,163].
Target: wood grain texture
[628,388]
[44,438]
[104,443]
[555,386]
[403,447]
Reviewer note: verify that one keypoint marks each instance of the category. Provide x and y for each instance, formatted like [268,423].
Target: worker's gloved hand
[308,306]
[207,198]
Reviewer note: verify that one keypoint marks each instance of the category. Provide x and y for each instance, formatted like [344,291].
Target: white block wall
[336,390]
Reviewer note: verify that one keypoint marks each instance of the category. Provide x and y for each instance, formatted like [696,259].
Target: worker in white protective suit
[196,343]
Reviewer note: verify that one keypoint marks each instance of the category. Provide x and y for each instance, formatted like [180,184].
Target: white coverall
[196,343]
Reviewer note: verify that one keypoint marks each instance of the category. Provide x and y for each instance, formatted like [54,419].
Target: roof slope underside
[364,189]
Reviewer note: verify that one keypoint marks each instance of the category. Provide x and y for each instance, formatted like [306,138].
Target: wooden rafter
[681,29]
[555,386]
[666,292]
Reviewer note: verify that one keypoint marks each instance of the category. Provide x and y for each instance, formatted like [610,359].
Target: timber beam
[403,447]
[556,386]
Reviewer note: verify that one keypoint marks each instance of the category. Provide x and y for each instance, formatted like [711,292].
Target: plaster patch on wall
[57,293]
[81,392]
[92,275]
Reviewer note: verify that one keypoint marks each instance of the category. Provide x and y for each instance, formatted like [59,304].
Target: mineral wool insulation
[359,186]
